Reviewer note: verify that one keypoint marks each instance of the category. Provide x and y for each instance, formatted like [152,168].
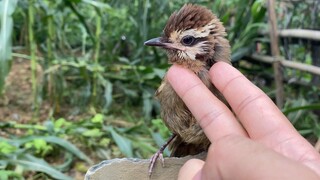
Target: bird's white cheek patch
[191,52]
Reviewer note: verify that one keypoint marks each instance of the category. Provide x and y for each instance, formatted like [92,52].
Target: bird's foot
[159,155]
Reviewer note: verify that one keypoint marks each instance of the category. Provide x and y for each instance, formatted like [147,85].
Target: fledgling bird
[194,38]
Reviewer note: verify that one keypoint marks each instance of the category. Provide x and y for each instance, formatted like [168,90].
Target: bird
[193,38]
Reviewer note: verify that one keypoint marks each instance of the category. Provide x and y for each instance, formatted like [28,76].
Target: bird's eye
[188,40]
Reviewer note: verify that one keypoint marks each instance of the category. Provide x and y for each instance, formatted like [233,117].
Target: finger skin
[261,118]
[191,170]
[236,157]
[254,108]
[263,121]
[241,158]
[212,115]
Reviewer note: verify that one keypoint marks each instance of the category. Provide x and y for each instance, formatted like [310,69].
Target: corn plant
[7,8]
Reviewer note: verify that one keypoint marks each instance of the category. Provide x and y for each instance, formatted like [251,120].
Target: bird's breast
[177,116]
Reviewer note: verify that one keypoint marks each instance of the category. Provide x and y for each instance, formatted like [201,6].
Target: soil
[17,101]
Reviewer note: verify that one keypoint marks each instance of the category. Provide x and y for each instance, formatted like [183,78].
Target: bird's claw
[162,159]
[157,155]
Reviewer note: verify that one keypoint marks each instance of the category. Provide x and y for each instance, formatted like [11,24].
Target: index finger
[256,111]
[261,118]
[213,116]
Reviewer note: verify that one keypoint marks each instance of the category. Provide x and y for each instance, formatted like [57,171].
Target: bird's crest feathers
[188,17]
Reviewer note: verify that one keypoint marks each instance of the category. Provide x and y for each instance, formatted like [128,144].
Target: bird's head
[194,36]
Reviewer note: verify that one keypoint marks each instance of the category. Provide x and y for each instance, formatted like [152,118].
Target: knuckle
[206,120]
[249,100]
[190,90]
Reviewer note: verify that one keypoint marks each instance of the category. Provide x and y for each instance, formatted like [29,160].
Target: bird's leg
[159,154]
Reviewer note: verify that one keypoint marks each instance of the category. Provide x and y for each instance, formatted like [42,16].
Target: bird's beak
[160,42]
[155,42]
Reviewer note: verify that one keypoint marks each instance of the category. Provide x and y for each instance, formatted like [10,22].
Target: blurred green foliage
[123,71]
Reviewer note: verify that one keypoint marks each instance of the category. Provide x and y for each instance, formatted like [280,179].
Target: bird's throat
[193,65]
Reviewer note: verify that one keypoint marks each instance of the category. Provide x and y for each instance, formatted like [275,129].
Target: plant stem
[33,58]
[50,39]
[96,54]
[276,53]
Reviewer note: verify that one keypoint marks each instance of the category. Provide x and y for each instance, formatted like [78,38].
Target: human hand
[259,143]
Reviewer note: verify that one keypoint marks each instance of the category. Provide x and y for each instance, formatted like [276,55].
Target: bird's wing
[159,90]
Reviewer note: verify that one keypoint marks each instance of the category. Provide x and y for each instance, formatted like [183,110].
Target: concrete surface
[137,169]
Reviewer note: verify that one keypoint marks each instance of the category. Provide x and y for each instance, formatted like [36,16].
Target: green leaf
[60,122]
[107,90]
[304,132]
[56,140]
[240,53]
[67,162]
[258,10]
[93,133]
[124,60]
[40,146]
[6,148]
[122,142]
[98,118]
[147,103]
[306,107]
[7,174]
[7,7]
[146,147]
[68,146]
[39,143]
[159,72]
[98,4]
[160,141]
[36,166]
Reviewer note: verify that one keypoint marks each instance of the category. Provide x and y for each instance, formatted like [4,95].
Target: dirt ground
[17,102]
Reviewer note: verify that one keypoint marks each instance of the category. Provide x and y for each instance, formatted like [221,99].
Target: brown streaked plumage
[195,39]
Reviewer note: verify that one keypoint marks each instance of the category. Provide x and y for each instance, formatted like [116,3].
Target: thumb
[191,170]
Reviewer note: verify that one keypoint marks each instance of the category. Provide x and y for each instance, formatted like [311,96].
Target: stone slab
[137,169]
